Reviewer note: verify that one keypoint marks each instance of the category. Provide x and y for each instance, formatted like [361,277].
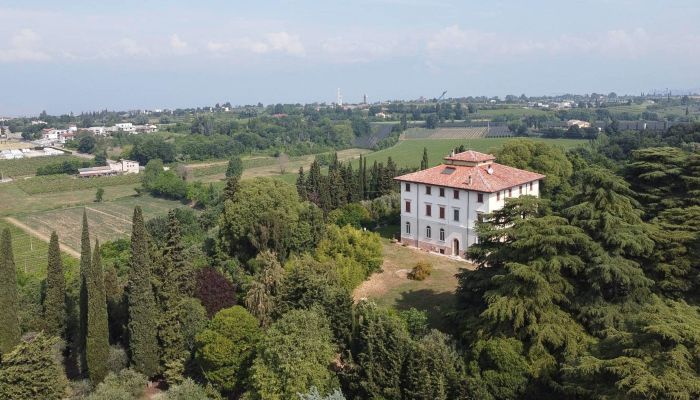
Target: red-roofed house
[440,205]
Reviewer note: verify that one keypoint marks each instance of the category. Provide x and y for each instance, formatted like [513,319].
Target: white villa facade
[440,205]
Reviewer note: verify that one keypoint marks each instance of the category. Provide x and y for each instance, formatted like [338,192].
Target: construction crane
[442,96]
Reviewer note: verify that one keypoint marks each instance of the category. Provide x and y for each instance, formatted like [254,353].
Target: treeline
[342,185]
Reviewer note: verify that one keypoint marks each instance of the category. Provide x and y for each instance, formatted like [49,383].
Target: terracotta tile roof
[457,176]
[471,156]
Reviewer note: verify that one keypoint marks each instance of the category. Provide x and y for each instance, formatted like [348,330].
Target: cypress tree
[231,187]
[301,184]
[55,301]
[313,183]
[97,342]
[364,178]
[85,262]
[143,343]
[424,161]
[9,321]
[176,284]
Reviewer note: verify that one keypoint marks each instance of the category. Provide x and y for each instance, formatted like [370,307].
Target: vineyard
[31,253]
[108,221]
[66,183]
[28,166]
[445,133]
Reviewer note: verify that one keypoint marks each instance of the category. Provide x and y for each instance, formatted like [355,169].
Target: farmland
[407,153]
[65,183]
[108,221]
[31,253]
[28,166]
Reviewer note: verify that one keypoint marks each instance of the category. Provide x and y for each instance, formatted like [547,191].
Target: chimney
[490,170]
[469,182]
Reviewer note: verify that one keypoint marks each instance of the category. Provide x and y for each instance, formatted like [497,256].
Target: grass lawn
[408,153]
[391,288]
[31,253]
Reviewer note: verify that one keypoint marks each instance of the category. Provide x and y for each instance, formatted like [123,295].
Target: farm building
[440,205]
[112,168]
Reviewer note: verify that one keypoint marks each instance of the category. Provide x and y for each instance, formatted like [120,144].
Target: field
[66,183]
[12,144]
[445,133]
[408,153]
[108,221]
[31,253]
[391,287]
[512,112]
[28,166]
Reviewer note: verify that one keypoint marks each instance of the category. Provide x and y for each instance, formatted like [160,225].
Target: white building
[440,205]
[112,168]
[97,130]
[125,126]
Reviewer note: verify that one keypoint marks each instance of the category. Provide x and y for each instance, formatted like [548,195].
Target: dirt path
[39,235]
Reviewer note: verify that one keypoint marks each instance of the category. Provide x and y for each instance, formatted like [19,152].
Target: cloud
[132,48]
[276,42]
[23,47]
[177,44]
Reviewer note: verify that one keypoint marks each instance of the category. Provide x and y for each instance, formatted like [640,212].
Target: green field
[31,254]
[408,153]
[28,166]
[69,183]
[108,221]
[512,112]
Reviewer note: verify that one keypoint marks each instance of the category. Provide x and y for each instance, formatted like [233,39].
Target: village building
[441,205]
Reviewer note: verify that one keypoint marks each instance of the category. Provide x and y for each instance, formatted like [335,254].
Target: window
[520,190]
[442,212]
[442,192]
[510,193]
[408,206]
[442,235]
[498,195]
[428,210]
[428,232]
[428,189]
[530,185]
[455,214]
[479,197]
[408,187]
[456,194]
[408,228]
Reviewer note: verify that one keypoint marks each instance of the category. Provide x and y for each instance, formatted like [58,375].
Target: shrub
[118,359]
[189,390]
[422,270]
[214,290]
[126,385]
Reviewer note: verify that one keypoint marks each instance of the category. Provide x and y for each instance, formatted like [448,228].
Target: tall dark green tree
[55,300]
[9,303]
[424,160]
[97,341]
[234,167]
[301,184]
[143,342]
[232,183]
[176,280]
[85,266]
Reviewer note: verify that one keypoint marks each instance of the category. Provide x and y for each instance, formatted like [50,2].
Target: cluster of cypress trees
[9,321]
[343,185]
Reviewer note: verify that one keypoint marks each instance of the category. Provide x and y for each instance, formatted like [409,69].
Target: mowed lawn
[391,287]
[107,221]
[408,153]
[31,253]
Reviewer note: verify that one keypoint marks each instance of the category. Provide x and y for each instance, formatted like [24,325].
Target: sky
[77,56]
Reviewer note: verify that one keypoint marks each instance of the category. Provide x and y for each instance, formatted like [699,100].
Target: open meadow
[28,166]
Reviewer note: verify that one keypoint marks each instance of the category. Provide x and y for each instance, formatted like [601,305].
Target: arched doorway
[455,247]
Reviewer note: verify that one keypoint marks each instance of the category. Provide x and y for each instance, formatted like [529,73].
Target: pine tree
[97,341]
[143,343]
[313,183]
[424,161]
[55,300]
[235,167]
[85,264]
[9,303]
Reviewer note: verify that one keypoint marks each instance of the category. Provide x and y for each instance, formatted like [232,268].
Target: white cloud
[177,44]
[23,47]
[276,42]
[283,41]
[132,48]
